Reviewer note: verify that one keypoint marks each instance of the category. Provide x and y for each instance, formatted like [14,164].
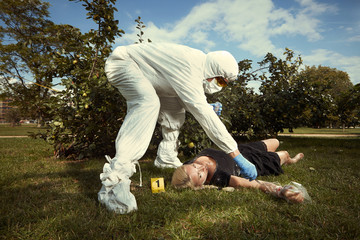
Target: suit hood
[221,64]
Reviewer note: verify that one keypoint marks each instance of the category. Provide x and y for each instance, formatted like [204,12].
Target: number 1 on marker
[157,185]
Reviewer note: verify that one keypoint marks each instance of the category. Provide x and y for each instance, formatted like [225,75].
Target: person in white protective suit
[160,82]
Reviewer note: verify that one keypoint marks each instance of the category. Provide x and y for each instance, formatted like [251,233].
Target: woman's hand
[291,194]
[288,192]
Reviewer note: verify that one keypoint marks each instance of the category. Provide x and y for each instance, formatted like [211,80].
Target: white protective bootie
[115,191]
[119,199]
[174,164]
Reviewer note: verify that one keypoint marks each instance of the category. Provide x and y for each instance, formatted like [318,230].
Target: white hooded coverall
[159,82]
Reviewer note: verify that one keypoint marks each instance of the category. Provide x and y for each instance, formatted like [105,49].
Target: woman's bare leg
[286,159]
[272,144]
[296,158]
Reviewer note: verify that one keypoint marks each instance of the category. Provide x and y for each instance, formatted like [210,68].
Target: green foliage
[29,38]
[328,90]
[282,99]
[192,132]
[13,116]
[348,106]
[140,26]
[89,112]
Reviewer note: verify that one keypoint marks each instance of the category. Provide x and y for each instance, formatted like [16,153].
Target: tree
[89,112]
[13,116]
[283,97]
[327,89]
[355,101]
[27,47]
[348,107]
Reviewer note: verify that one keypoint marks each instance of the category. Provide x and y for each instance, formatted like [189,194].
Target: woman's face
[197,173]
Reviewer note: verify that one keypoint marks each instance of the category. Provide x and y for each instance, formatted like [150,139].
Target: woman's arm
[238,182]
[268,187]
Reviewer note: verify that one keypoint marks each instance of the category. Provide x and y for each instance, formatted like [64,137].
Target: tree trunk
[40,121]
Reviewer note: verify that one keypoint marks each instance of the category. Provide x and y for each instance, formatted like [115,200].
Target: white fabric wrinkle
[171,121]
[171,118]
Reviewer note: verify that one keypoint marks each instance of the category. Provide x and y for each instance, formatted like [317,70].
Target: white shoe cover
[119,199]
[115,191]
[160,164]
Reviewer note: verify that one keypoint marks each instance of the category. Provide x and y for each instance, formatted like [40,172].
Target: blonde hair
[181,179]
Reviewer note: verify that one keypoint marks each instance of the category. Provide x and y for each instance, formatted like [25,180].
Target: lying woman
[215,167]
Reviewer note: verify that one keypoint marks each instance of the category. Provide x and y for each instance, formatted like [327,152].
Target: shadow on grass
[60,202]
[87,179]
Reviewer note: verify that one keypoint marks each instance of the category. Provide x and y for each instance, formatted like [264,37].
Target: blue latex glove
[217,107]
[248,170]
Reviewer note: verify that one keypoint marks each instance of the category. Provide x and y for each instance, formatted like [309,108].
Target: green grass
[22,130]
[346,131]
[26,129]
[46,198]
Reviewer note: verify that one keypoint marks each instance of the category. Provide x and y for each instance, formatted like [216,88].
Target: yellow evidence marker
[157,185]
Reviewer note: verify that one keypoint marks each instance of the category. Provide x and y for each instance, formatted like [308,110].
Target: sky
[322,32]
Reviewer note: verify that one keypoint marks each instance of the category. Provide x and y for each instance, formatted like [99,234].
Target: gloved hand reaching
[217,107]
[248,170]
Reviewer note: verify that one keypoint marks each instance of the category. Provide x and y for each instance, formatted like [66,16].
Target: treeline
[85,116]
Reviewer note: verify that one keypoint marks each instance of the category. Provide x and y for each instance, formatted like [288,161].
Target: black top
[266,163]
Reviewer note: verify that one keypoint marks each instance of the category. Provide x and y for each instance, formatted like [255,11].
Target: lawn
[340,131]
[47,198]
[26,129]
[22,130]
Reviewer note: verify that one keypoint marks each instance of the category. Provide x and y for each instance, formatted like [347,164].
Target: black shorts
[266,163]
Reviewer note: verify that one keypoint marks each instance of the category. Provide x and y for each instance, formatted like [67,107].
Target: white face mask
[211,87]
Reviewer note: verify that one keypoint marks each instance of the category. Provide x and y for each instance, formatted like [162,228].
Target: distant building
[4,107]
